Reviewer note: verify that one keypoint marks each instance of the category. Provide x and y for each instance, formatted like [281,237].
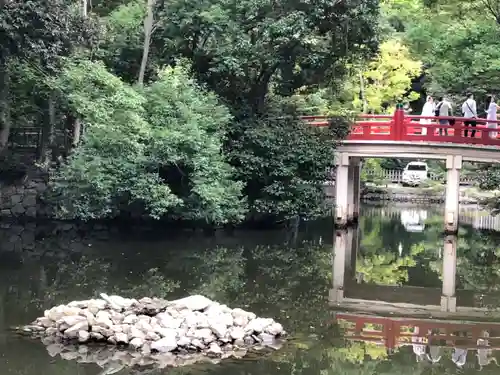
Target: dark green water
[279,274]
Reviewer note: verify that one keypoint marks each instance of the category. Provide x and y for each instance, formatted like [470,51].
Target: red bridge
[405,136]
[408,128]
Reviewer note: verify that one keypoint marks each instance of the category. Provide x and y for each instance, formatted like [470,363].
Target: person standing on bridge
[428,111]
[491,114]
[443,109]
[469,109]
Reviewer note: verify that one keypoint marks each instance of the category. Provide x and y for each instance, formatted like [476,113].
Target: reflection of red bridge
[396,332]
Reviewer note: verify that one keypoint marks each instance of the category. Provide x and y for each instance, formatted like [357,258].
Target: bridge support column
[339,262]
[448,298]
[354,189]
[342,190]
[352,246]
[451,213]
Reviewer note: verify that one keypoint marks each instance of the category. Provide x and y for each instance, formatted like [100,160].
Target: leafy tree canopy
[170,149]
[156,151]
[385,80]
[42,29]
[240,48]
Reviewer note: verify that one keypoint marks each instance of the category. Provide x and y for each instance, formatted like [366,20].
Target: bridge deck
[420,149]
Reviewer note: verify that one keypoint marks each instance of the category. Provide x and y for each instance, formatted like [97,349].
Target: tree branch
[493,6]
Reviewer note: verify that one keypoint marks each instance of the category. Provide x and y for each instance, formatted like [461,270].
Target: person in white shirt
[428,111]
[491,114]
[469,110]
[459,357]
[443,109]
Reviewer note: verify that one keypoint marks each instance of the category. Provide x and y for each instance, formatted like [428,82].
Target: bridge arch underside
[419,150]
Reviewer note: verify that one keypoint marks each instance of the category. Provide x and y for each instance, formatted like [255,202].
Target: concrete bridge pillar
[448,298]
[339,262]
[453,167]
[347,189]
[342,190]
[354,189]
[352,245]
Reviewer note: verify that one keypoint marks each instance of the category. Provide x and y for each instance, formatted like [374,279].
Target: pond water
[280,274]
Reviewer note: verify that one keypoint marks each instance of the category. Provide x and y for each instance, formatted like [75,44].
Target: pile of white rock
[152,325]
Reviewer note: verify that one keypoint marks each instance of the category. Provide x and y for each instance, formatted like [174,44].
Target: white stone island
[194,325]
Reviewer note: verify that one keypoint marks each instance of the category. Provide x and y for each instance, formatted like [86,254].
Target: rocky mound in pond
[152,325]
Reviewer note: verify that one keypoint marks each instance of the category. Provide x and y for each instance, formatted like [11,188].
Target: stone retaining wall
[23,198]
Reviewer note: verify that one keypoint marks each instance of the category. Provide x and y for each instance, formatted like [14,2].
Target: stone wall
[22,198]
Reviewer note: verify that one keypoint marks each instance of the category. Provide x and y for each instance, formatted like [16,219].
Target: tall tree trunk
[73,124]
[5,122]
[148,29]
[73,127]
[84,7]
[77,130]
[47,143]
[362,92]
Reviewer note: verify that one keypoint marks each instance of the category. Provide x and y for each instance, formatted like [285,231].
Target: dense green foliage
[220,139]
[161,146]
[190,113]
[459,43]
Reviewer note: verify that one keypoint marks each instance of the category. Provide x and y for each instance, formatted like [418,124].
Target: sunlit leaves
[121,48]
[386,80]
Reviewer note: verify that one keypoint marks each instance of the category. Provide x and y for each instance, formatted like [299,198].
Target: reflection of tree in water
[277,281]
[386,268]
[294,280]
[379,261]
[478,254]
[273,280]
[52,282]
[357,352]
[218,273]
[478,259]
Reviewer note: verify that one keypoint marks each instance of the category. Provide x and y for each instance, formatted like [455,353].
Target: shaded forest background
[189,111]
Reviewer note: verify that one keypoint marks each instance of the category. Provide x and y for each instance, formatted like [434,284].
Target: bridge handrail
[405,127]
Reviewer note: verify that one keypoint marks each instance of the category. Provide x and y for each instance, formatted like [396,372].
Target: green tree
[372,171]
[256,56]
[35,35]
[462,56]
[241,48]
[121,47]
[155,153]
[264,62]
[386,80]
[283,163]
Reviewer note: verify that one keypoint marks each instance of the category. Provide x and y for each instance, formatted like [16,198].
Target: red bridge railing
[403,127]
[396,332]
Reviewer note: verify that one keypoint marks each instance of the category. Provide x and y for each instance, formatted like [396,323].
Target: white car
[415,173]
